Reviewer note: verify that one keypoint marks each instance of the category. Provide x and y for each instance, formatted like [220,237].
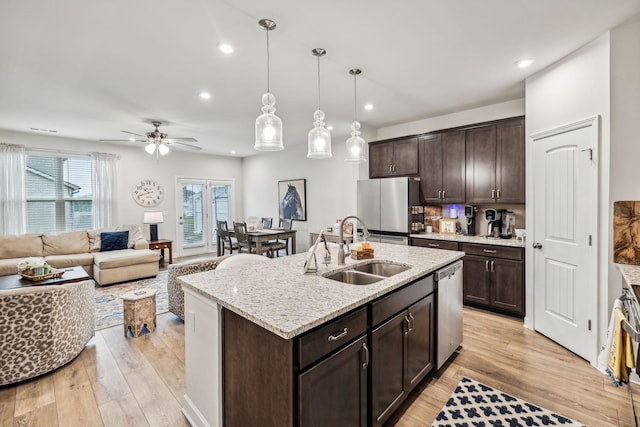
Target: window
[59,193]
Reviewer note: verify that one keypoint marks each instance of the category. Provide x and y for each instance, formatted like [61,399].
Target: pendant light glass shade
[150,148]
[356,145]
[163,149]
[319,138]
[268,125]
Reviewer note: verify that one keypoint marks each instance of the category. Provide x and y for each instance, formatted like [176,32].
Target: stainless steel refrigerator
[383,205]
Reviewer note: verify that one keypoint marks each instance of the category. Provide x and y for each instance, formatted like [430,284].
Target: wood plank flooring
[119,381]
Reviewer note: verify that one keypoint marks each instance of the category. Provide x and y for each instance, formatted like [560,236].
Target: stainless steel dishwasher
[448,282]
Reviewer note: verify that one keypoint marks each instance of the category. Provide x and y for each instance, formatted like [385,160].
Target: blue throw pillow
[113,241]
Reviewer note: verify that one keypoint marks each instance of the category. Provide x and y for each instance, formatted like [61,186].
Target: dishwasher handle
[447,271]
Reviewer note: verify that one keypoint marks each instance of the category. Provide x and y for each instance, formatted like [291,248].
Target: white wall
[331,185]
[135,164]
[574,88]
[487,113]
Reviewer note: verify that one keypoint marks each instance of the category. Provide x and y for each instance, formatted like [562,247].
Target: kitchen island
[263,340]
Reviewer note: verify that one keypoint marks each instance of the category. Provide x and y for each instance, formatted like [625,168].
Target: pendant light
[268,125]
[355,144]
[319,137]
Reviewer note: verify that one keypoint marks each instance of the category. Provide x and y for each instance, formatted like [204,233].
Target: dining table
[264,235]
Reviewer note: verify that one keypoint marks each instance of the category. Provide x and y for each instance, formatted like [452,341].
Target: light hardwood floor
[140,381]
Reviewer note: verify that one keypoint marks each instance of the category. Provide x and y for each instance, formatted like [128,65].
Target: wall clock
[148,193]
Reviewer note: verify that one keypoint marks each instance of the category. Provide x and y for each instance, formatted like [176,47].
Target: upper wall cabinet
[496,162]
[442,167]
[397,157]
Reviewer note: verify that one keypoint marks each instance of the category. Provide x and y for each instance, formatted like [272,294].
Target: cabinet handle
[342,334]
[366,355]
[489,251]
[444,194]
[493,194]
[492,266]
[412,322]
[394,168]
[486,265]
[434,245]
[408,323]
[497,194]
[439,194]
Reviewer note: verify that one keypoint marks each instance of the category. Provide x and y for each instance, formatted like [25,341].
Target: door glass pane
[219,207]
[193,214]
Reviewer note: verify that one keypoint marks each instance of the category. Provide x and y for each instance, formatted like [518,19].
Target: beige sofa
[83,248]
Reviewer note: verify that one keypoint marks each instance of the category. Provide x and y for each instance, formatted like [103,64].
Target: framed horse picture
[292,198]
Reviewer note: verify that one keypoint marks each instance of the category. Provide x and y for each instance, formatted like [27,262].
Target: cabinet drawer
[389,305]
[435,244]
[331,336]
[493,251]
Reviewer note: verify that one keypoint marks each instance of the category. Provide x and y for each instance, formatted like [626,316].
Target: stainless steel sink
[384,269]
[368,273]
[354,277]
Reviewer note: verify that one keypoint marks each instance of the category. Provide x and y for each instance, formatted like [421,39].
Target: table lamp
[154,218]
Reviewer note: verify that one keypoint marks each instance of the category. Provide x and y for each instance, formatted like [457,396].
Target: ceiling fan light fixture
[150,148]
[319,138]
[163,149]
[268,126]
[356,145]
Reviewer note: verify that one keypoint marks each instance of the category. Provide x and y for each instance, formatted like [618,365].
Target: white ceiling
[89,69]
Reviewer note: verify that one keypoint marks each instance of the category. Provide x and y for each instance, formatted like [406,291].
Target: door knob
[537,245]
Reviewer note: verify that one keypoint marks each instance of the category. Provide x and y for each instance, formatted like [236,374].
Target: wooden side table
[161,245]
[139,310]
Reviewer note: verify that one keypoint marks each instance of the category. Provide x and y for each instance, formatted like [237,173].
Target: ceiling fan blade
[136,134]
[123,140]
[182,139]
[192,147]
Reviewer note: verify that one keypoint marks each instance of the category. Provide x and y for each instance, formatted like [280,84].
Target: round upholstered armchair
[44,327]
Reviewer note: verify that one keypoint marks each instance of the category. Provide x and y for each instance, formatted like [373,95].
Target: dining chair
[240,229]
[278,245]
[227,241]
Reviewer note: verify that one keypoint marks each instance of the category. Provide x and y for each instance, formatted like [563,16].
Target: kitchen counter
[469,239]
[280,298]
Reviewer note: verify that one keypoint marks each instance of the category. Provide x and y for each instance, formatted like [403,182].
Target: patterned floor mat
[109,304]
[473,404]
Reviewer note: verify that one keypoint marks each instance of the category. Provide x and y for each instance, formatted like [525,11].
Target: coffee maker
[494,222]
[470,214]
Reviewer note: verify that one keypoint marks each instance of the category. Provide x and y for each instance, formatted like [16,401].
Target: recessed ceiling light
[329,127]
[368,107]
[233,151]
[132,139]
[225,48]
[524,63]
[205,95]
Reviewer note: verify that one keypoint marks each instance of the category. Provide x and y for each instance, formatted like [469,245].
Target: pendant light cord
[268,76]
[355,92]
[318,82]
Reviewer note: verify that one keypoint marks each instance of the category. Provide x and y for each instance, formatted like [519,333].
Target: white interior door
[564,236]
[200,204]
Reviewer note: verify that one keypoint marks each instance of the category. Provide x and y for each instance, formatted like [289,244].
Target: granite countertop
[279,297]
[630,273]
[470,239]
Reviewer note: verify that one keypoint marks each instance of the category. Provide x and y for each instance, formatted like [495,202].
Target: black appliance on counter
[470,213]
[494,220]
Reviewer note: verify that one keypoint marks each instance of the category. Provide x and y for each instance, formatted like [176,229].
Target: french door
[200,204]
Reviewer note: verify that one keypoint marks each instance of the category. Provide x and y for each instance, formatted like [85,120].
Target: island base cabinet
[334,392]
[401,356]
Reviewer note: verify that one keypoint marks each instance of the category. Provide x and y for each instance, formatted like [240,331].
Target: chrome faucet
[341,243]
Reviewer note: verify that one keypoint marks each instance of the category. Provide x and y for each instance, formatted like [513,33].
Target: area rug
[109,304]
[473,404]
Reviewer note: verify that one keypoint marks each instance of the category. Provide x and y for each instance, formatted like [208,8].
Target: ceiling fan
[157,142]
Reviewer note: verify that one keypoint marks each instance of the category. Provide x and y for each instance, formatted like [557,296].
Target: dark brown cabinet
[442,167]
[495,162]
[401,350]
[334,392]
[494,278]
[396,157]
[433,243]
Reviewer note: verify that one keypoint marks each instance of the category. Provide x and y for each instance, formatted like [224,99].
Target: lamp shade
[153,217]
